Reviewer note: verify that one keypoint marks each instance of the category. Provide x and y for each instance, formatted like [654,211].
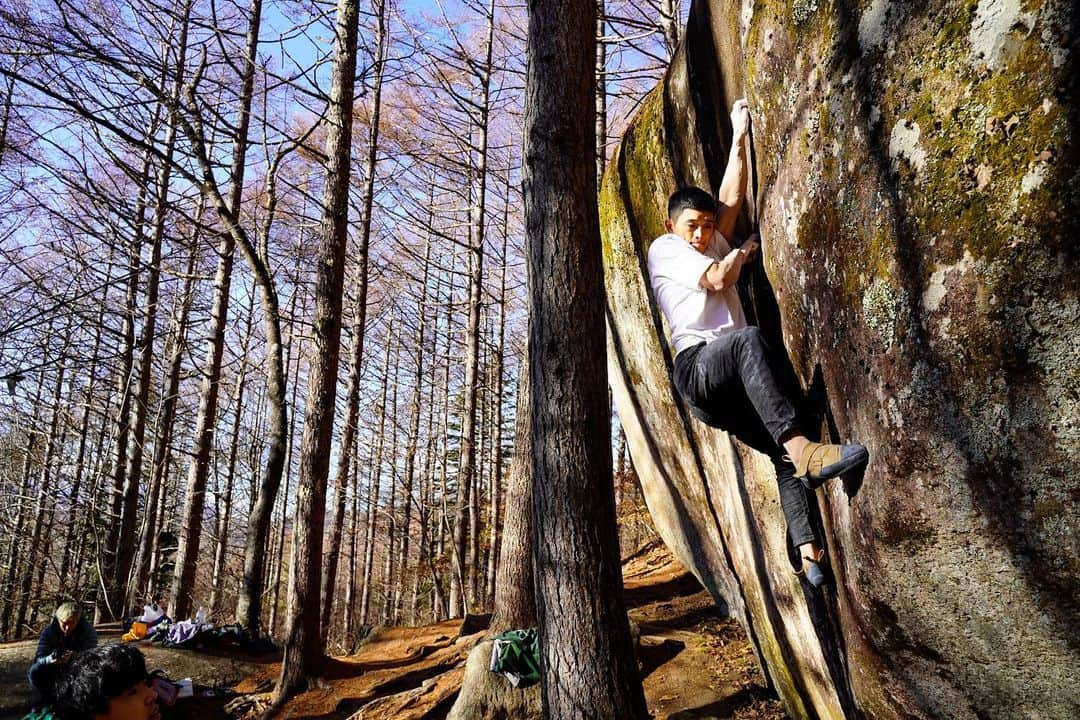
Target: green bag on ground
[515,654]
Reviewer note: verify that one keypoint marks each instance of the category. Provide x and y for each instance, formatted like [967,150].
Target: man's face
[693,226]
[66,626]
[138,702]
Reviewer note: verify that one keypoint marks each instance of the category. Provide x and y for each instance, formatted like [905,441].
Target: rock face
[918,194]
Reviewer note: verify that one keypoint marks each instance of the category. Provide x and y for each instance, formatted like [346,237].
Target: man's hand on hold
[750,248]
[740,121]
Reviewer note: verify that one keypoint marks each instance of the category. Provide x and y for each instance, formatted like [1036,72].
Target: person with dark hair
[106,683]
[67,633]
[722,366]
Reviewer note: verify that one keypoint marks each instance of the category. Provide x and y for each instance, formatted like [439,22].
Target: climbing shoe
[822,462]
[812,569]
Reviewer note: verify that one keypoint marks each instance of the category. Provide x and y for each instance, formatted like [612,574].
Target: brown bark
[514,597]
[354,551]
[515,604]
[303,646]
[249,598]
[588,668]
[180,598]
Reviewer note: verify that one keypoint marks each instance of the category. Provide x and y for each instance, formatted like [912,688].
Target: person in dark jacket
[68,633]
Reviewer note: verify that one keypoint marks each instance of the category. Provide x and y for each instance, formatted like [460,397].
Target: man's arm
[733,186]
[45,644]
[723,274]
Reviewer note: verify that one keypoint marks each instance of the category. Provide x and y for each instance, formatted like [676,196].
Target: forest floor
[696,663]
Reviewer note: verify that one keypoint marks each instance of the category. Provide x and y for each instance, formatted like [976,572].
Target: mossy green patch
[631,199]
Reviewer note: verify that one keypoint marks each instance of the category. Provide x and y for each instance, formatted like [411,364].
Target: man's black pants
[730,378]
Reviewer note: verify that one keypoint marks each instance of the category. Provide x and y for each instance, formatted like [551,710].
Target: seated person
[106,683]
[66,634]
[722,366]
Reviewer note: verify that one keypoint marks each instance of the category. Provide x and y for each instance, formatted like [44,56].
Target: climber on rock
[722,367]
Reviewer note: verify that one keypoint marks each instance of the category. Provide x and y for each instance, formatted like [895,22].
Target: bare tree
[478,187]
[329,577]
[587,663]
[303,645]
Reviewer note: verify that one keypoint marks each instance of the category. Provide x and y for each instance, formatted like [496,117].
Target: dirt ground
[696,664]
[696,661]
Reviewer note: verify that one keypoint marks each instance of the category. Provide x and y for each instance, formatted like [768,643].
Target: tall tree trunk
[601,91]
[475,557]
[112,600]
[431,528]
[354,549]
[373,493]
[391,508]
[145,553]
[515,599]
[329,577]
[497,439]
[260,515]
[74,521]
[16,549]
[90,525]
[409,473]
[230,468]
[671,25]
[424,511]
[467,466]
[443,539]
[295,352]
[180,598]
[126,545]
[482,693]
[45,496]
[588,667]
[303,644]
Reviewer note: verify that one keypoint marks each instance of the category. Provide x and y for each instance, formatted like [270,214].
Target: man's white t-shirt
[694,314]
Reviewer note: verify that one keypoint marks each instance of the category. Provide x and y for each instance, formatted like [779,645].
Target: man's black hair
[690,198]
[95,676]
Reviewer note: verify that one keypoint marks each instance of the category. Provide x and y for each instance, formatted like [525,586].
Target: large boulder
[917,188]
